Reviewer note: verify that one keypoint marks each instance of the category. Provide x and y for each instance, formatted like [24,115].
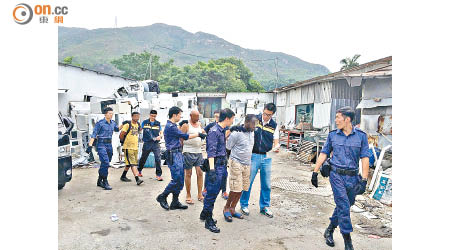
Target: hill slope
[95,49]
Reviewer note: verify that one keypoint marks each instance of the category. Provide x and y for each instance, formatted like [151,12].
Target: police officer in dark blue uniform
[216,150]
[174,158]
[348,144]
[151,138]
[103,132]
[223,186]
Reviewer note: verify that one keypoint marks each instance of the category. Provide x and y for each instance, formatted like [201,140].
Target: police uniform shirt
[215,143]
[172,135]
[104,129]
[347,150]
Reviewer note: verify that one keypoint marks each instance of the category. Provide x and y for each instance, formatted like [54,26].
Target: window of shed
[304,113]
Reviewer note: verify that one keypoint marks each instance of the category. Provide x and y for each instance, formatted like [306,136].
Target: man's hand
[183,122]
[314,179]
[361,188]
[201,135]
[89,149]
[212,175]
[276,149]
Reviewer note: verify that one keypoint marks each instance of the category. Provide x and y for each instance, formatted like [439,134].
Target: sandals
[228,216]
[238,215]
[201,199]
[189,201]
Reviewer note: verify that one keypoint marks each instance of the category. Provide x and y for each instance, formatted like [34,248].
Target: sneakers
[245,211]
[139,182]
[159,178]
[125,179]
[140,174]
[266,211]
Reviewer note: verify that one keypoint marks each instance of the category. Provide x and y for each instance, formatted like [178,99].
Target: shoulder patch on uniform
[360,130]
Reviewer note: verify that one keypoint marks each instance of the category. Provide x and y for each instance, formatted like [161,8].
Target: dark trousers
[105,153]
[213,187]
[177,172]
[146,149]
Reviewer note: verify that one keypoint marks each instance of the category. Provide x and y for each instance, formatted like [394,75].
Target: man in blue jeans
[266,138]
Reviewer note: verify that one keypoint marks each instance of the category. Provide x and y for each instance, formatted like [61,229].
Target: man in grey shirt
[240,142]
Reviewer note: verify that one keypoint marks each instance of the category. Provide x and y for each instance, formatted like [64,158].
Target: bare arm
[321,160]
[365,167]
[91,142]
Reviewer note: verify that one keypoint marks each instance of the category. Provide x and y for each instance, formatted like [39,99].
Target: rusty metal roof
[384,63]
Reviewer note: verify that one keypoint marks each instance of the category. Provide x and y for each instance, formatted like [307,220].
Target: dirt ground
[300,215]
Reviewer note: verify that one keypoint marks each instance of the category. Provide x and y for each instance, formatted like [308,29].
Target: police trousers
[344,194]
[105,152]
[177,172]
[213,185]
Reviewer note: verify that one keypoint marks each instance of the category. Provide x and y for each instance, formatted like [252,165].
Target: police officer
[348,144]
[103,131]
[266,138]
[174,157]
[223,186]
[151,137]
[216,150]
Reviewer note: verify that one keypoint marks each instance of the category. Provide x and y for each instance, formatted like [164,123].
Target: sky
[321,32]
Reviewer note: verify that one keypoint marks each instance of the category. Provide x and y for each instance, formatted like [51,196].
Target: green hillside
[96,48]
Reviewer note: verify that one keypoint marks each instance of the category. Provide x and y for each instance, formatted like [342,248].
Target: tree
[69,60]
[221,75]
[350,62]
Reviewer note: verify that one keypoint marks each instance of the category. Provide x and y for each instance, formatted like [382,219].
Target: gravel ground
[300,215]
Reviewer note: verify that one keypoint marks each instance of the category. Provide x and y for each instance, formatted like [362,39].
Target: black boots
[162,199]
[103,182]
[329,235]
[100,181]
[176,204]
[210,224]
[348,242]
[203,216]
[106,185]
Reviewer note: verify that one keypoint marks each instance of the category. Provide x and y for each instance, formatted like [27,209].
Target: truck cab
[65,125]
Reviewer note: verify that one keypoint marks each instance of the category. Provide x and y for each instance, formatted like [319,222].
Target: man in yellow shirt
[130,137]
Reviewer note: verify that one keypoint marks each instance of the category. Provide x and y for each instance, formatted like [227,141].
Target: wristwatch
[364,179]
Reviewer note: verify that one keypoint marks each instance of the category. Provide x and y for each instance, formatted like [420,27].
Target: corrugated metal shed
[377,88]
[307,94]
[341,90]
[321,115]
[364,104]
[322,92]
[294,96]
[281,99]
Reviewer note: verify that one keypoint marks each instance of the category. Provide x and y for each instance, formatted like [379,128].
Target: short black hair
[225,113]
[217,111]
[153,112]
[135,113]
[250,117]
[107,109]
[347,112]
[174,111]
[271,107]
